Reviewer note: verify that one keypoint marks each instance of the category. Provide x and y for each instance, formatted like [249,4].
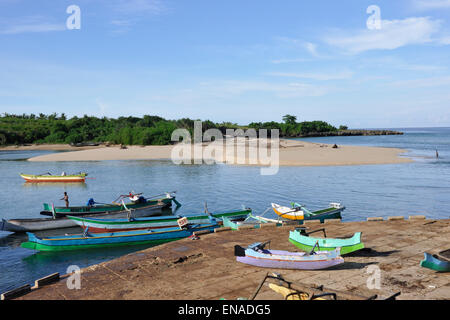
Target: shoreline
[160,272]
[291,153]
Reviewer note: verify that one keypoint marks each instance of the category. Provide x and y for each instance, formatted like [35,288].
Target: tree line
[146,130]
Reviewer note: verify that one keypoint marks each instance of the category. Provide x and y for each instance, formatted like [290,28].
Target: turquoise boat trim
[433,263]
[82,241]
[306,243]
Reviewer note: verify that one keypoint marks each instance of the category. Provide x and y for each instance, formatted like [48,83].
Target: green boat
[301,240]
[437,262]
[138,203]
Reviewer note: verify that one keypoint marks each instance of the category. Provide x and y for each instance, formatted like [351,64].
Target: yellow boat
[288,213]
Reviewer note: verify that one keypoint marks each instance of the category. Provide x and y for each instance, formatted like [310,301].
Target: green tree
[290,119]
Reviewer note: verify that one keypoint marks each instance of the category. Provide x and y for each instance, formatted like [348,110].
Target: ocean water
[420,187]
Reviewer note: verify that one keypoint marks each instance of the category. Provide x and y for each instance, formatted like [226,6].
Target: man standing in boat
[66,199]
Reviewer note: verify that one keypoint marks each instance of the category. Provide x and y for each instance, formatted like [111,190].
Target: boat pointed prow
[239,251]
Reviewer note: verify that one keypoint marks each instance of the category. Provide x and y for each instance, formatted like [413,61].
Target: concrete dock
[207,269]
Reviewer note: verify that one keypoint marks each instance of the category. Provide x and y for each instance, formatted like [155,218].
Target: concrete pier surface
[207,269]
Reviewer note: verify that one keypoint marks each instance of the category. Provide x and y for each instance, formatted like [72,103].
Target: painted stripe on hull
[344,250]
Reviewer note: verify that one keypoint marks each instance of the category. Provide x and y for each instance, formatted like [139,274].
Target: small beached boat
[40,224]
[114,225]
[256,255]
[306,243]
[438,262]
[48,177]
[103,240]
[138,203]
[300,213]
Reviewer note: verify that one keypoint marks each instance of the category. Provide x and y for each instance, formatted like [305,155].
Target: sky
[364,64]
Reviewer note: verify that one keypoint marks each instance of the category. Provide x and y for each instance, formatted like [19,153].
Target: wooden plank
[246,227]
[198,233]
[396,218]
[311,222]
[375,219]
[54,277]
[222,229]
[332,220]
[16,292]
[417,217]
[268,225]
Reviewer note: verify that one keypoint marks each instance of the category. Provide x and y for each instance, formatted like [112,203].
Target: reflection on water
[55,185]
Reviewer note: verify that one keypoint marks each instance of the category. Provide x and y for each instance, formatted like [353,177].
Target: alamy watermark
[374,279]
[74,20]
[374,21]
[74,280]
[236,147]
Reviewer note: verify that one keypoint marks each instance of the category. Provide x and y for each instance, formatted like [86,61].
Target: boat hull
[48,178]
[434,263]
[114,225]
[328,244]
[110,208]
[322,215]
[40,224]
[291,260]
[80,242]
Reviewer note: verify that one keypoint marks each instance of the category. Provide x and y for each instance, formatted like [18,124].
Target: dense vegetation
[148,130]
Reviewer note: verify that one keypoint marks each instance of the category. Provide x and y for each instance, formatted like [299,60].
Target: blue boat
[101,240]
[437,262]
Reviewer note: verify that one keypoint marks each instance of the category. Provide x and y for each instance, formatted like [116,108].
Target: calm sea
[421,187]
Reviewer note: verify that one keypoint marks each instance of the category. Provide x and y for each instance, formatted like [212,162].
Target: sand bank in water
[291,153]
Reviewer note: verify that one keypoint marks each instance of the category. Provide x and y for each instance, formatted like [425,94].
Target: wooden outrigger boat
[438,262]
[302,241]
[300,213]
[234,224]
[103,240]
[114,225]
[48,177]
[256,255]
[138,203]
[61,221]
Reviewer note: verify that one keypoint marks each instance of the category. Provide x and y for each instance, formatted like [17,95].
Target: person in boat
[66,199]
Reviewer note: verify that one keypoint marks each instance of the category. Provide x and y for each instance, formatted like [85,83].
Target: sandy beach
[291,153]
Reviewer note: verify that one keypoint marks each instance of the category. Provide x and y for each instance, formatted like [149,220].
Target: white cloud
[30,24]
[312,48]
[392,35]
[281,90]
[279,61]
[431,4]
[308,46]
[315,76]
[139,6]
[423,82]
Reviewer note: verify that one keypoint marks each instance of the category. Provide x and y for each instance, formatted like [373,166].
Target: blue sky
[238,61]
